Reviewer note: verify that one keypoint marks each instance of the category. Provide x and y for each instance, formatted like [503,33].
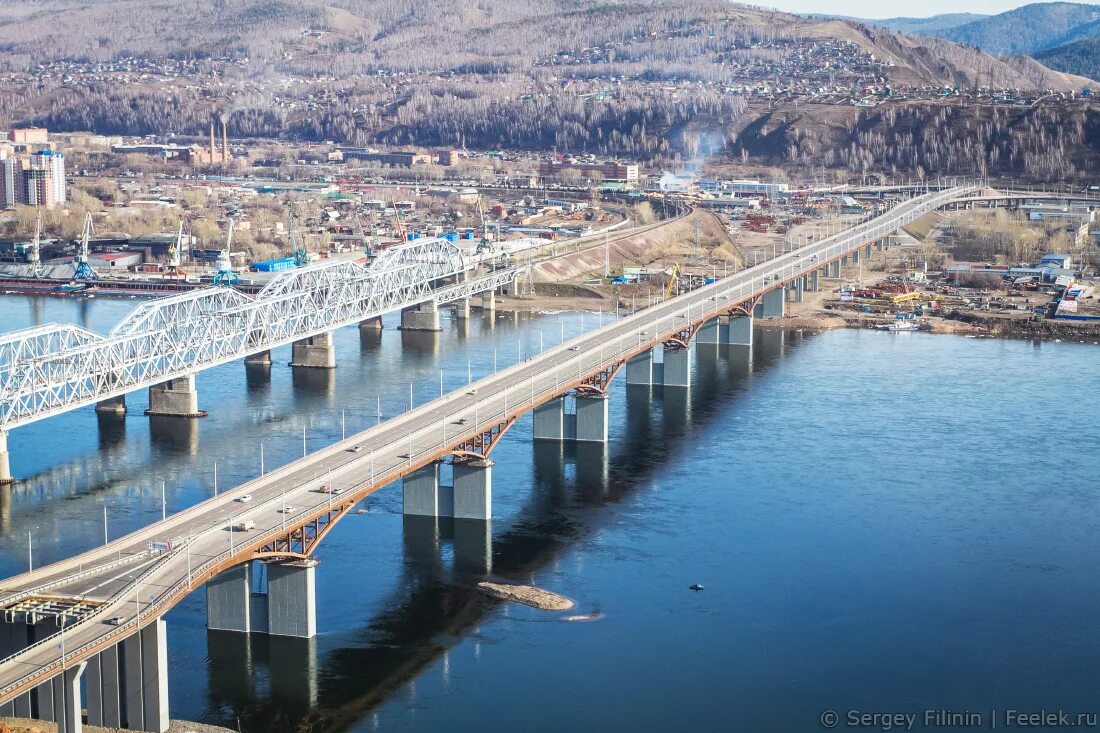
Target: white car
[287,509]
[355,449]
[244,498]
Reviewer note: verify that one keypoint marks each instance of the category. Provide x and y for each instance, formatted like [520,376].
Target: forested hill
[644,79]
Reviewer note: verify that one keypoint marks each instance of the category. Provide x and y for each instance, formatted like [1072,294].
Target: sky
[879,9]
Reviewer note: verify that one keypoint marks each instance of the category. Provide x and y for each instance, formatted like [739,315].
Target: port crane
[225,274]
[85,271]
[175,255]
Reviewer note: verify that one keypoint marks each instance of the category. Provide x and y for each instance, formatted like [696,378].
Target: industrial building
[611,171]
[397,159]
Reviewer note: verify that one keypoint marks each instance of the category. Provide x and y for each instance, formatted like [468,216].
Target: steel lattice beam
[52,369]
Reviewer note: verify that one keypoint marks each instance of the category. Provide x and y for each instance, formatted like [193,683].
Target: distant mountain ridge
[1061,35]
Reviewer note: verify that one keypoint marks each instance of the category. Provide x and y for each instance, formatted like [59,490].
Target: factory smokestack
[225,143]
[212,149]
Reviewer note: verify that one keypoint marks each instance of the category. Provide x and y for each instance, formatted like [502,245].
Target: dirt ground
[21,725]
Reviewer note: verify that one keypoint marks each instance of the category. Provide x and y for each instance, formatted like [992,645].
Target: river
[881,522]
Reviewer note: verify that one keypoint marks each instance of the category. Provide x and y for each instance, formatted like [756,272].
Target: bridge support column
[843,262]
[292,598]
[834,266]
[881,245]
[420,490]
[112,406]
[473,489]
[102,685]
[774,303]
[549,420]
[815,284]
[371,324]
[799,289]
[462,308]
[229,600]
[709,332]
[5,460]
[591,418]
[144,676]
[489,301]
[176,398]
[640,369]
[868,252]
[315,352]
[677,368]
[424,317]
[260,358]
[855,256]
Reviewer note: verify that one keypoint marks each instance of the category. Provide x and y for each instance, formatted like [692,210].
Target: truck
[244,525]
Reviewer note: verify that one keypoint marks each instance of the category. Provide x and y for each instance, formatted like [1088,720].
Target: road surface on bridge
[139,585]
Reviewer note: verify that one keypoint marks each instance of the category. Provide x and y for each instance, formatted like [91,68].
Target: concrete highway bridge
[88,632]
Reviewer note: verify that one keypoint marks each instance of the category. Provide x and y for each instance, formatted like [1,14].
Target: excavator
[673,281]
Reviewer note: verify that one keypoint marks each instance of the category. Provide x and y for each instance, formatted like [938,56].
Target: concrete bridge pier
[229,600]
[462,308]
[710,332]
[5,466]
[868,251]
[677,368]
[855,256]
[175,398]
[641,369]
[260,358]
[292,598]
[773,304]
[315,352]
[489,302]
[102,682]
[834,266]
[587,424]
[423,317]
[371,324]
[815,284]
[740,331]
[799,289]
[472,490]
[113,406]
[881,245]
[421,491]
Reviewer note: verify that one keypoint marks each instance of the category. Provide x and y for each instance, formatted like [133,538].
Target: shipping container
[279,265]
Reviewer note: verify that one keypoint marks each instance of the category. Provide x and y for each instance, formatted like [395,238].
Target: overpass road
[137,579]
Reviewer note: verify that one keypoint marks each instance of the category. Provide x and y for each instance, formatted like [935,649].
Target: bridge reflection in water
[272,683]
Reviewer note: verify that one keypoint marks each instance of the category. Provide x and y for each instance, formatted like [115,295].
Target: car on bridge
[244,498]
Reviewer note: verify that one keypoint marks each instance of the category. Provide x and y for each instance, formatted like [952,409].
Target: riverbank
[23,725]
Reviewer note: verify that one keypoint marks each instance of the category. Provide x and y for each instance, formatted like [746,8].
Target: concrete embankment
[22,725]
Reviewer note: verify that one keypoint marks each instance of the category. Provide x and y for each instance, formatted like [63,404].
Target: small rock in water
[696,586]
[528,595]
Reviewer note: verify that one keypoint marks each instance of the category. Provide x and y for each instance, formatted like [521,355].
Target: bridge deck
[141,586]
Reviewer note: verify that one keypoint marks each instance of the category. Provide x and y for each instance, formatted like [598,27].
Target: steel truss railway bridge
[89,631]
[161,345]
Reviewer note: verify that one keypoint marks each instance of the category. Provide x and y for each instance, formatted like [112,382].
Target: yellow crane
[673,280]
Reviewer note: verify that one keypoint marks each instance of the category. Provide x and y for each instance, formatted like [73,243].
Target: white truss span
[55,368]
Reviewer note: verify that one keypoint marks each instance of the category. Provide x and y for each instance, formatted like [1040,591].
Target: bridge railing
[657,325]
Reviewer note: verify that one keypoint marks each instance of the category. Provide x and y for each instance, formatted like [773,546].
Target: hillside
[1080,57]
[660,80]
[929,25]
[1027,29]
